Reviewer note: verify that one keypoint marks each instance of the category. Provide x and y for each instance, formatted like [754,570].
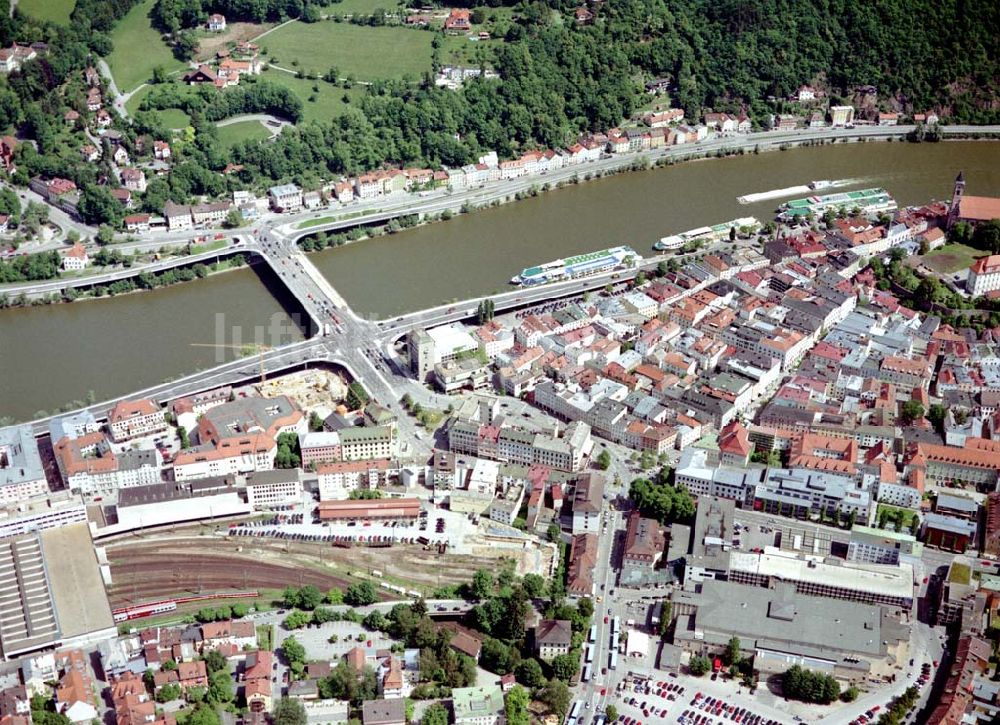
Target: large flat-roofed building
[782,627]
[27,614]
[21,473]
[51,592]
[868,583]
[478,705]
[877,546]
[400,509]
[707,555]
[169,503]
[35,515]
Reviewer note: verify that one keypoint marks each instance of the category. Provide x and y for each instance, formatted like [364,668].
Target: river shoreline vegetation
[141,281]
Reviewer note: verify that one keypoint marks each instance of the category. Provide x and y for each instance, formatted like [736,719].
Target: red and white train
[149,609]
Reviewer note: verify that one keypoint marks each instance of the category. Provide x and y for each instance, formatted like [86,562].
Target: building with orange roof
[984,275]
[89,465]
[977,463]
[735,447]
[133,418]
[583,555]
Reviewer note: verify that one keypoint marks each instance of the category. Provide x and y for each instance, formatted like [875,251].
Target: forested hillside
[557,79]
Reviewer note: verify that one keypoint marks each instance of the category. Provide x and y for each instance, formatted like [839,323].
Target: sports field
[138,49]
[362,52]
[55,10]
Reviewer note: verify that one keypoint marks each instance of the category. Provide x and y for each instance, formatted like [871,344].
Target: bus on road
[613,660]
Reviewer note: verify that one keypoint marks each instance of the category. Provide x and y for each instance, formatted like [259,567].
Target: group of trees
[174,15]
[211,105]
[31,267]
[357,396]
[984,236]
[658,499]
[799,683]
[223,613]
[289,455]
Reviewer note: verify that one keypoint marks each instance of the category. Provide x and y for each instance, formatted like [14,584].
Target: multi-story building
[643,551]
[588,500]
[878,546]
[239,437]
[505,507]
[319,447]
[89,466]
[891,586]
[285,197]
[977,463]
[422,353]
[478,705]
[553,637]
[799,493]
[273,489]
[583,555]
[135,418]
[984,275]
[53,511]
[72,426]
[568,452]
[22,475]
[336,480]
[366,443]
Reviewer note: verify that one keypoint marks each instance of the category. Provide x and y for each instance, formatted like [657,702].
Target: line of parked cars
[719,708]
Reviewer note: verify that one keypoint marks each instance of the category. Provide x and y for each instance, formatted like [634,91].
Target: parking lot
[316,640]
[670,699]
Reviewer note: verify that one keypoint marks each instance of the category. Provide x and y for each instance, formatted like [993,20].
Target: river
[478,253]
[55,354]
[52,355]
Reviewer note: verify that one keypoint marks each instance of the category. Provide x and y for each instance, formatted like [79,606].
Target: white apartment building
[337,480]
[285,197]
[984,275]
[271,489]
[367,443]
[232,456]
[89,466]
